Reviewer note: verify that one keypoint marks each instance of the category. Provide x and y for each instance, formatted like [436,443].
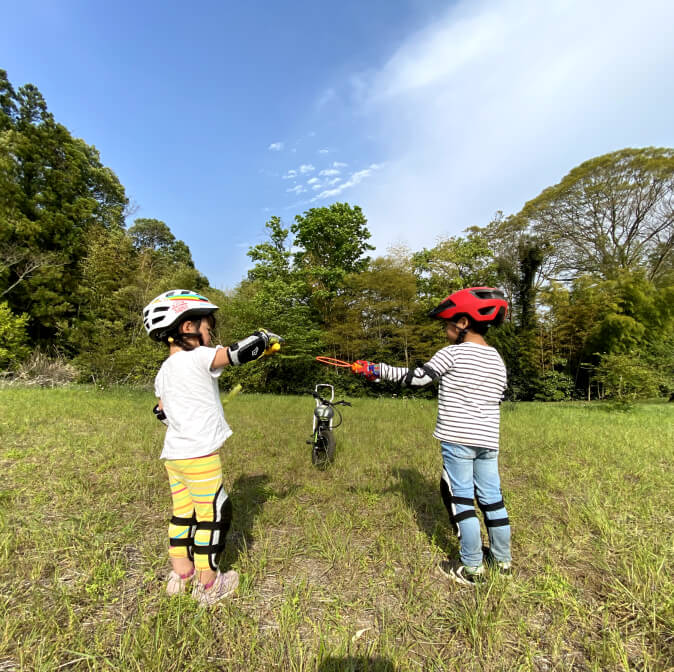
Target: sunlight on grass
[337,567]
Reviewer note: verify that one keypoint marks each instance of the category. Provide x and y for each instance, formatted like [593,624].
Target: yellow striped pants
[202,511]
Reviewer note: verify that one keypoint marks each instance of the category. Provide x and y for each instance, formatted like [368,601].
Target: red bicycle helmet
[485,305]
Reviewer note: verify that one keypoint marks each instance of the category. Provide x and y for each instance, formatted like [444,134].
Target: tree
[151,234]
[455,263]
[53,189]
[377,314]
[611,214]
[331,242]
[155,236]
[276,296]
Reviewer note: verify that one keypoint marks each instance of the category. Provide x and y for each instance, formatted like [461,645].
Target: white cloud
[306,168]
[315,187]
[275,147]
[325,97]
[334,180]
[323,151]
[498,99]
[329,171]
[297,189]
[356,178]
[291,174]
[313,180]
[339,164]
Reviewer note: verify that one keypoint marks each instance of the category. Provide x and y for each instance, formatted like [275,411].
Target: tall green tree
[53,189]
[610,214]
[455,263]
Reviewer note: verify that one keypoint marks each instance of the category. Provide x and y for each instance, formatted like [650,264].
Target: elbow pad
[249,349]
[420,377]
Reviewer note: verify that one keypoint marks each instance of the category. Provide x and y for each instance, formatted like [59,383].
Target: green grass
[338,568]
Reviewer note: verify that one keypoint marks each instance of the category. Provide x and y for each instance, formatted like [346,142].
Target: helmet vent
[487,294]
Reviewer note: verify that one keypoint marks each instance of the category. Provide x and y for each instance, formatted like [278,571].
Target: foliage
[554,386]
[53,190]
[587,267]
[13,337]
[611,214]
[455,263]
[625,377]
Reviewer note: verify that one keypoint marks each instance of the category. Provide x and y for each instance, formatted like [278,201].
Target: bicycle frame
[323,413]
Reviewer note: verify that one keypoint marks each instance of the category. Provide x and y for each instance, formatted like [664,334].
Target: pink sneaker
[177,584]
[223,586]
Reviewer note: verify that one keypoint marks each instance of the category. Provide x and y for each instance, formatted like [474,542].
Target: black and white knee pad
[219,526]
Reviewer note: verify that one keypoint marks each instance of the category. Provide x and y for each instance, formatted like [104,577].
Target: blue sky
[430,115]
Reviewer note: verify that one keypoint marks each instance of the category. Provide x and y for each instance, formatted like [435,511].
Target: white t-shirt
[189,393]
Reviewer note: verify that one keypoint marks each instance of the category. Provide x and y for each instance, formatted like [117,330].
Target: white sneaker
[223,586]
[176,584]
[466,576]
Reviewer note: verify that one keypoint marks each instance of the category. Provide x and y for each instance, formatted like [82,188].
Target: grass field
[338,568]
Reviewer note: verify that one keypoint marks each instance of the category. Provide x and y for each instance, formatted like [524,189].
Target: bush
[626,378]
[554,386]
[13,337]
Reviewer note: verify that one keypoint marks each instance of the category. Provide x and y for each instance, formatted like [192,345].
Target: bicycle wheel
[324,449]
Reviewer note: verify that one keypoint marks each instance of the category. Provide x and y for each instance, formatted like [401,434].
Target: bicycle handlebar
[330,403]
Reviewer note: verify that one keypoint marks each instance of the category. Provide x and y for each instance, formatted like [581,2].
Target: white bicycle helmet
[163,314]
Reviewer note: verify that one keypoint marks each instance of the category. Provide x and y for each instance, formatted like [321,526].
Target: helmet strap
[181,338]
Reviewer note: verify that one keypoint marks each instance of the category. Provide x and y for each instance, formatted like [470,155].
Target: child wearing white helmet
[189,405]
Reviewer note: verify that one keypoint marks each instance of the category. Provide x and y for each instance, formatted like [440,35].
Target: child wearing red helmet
[472,379]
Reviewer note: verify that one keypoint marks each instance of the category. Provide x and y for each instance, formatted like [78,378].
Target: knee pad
[494,506]
[222,519]
[182,538]
[450,501]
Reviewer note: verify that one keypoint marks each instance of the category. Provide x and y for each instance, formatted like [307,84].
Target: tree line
[587,266]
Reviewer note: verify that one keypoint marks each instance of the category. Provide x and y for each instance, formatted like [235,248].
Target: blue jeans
[473,472]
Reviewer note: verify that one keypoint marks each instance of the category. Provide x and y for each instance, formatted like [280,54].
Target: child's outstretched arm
[418,377]
[253,347]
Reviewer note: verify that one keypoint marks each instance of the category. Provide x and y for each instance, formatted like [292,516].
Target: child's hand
[272,342]
[160,415]
[369,370]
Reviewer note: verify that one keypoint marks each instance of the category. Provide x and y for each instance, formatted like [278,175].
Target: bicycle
[323,441]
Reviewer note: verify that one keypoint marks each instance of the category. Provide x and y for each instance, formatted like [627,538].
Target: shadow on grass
[423,497]
[356,664]
[248,495]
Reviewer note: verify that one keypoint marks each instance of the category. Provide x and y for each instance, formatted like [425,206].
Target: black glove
[160,415]
[259,343]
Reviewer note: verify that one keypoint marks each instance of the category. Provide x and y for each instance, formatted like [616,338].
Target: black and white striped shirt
[472,382]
